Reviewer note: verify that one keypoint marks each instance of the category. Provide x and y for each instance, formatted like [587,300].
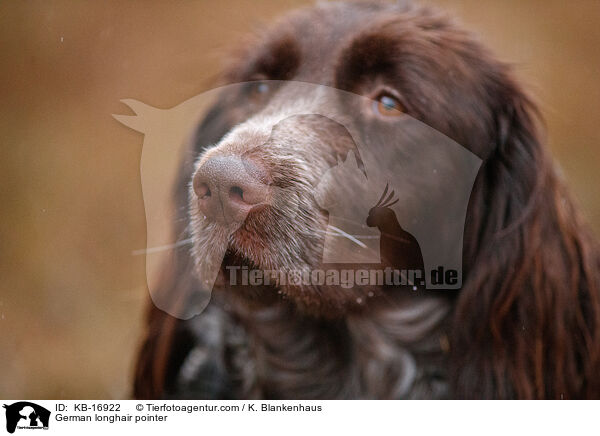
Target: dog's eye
[387,106]
[259,89]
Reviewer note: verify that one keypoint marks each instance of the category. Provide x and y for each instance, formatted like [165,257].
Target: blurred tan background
[72,294]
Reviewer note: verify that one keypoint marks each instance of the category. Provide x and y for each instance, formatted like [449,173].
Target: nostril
[236,193]
[202,190]
[227,188]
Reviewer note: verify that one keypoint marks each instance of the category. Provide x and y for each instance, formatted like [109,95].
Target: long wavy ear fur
[527,322]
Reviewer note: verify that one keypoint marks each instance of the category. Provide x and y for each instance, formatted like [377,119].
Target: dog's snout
[228,188]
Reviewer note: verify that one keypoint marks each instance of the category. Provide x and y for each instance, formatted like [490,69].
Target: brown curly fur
[526,323]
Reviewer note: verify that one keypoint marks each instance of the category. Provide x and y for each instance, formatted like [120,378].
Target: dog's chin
[319,301]
[250,247]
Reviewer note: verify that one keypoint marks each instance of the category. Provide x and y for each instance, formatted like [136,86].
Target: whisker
[341,218]
[354,235]
[161,247]
[340,232]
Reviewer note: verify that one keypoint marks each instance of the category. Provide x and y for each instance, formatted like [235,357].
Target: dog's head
[321,83]
[527,317]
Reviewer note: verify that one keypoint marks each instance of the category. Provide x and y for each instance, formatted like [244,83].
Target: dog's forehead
[323,31]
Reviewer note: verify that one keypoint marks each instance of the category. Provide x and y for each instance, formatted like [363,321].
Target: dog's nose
[228,187]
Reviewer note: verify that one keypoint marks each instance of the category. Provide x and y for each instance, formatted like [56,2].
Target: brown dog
[526,323]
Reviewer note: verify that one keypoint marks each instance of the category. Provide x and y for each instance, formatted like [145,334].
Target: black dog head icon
[34,415]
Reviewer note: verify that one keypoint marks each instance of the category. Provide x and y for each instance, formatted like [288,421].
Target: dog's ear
[166,342]
[527,321]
